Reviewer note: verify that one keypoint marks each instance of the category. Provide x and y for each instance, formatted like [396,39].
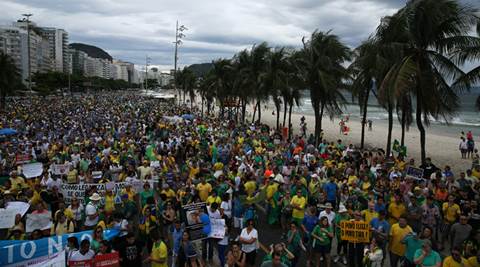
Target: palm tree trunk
[290,121]
[254,113]
[421,129]
[390,126]
[284,111]
[364,118]
[244,109]
[259,111]
[277,107]
[202,105]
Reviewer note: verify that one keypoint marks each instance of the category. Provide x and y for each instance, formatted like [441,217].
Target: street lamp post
[178,41]
[27,19]
[147,60]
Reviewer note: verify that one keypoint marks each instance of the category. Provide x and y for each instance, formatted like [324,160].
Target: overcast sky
[129,30]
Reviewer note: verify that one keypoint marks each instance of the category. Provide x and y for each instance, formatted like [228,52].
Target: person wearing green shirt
[412,244]
[322,235]
[294,243]
[147,193]
[426,257]
[342,245]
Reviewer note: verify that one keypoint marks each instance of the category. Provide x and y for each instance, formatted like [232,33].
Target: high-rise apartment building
[58,44]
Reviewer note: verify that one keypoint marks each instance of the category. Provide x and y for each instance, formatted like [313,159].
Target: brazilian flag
[401,150]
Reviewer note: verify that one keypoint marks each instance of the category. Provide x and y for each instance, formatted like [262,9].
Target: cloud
[130,30]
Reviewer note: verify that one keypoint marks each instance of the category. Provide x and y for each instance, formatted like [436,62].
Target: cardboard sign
[22,158]
[7,218]
[415,173]
[60,169]
[32,170]
[355,231]
[18,207]
[194,225]
[107,260]
[38,221]
[218,228]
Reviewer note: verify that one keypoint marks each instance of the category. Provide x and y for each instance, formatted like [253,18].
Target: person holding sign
[322,235]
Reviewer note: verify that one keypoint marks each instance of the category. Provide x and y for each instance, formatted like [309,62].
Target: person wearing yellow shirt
[159,254]
[451,212]
[128,190]
[250,187]
[298,203]
[168,192]
[214,198]
[370,213]
[109,202]
[397,234]
[476,171]
[17,182]
[456,259]
[396,209]
[204,189]
[474,260]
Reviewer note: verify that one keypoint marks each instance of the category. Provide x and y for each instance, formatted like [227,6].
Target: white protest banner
[55,260]
[60,169]
[218,228]
[38,221]
[18,207]
[7,218]
[32,170]
[78,190]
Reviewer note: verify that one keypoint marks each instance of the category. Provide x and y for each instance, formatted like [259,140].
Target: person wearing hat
[92,211]
[328,212]
[342,245]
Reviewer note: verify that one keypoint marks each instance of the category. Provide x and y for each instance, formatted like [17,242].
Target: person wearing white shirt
[91,211]
[248,239]
[54,181]
[84,253]
[327,213]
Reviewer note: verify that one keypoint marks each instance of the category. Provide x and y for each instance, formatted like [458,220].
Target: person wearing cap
[91,211]
[342,245]
[328,212]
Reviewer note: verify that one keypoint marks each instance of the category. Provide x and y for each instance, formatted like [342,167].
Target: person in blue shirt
[177,234]
[309,222]
[380,204]
[331,190]
[380,230]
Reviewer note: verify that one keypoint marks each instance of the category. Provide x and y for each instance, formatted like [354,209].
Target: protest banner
[217,228]
[415,173]
[15,253]
[84,263]
[195,227]
[22,158]
[40,221]
[60,169]
[7,218]
[78,190]
[32,170]
[18,207]
[56,260]
[107,260]
[355,231]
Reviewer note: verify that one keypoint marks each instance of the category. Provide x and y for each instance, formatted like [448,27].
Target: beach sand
[442,146]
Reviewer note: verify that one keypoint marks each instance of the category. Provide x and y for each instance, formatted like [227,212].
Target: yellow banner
[355,231]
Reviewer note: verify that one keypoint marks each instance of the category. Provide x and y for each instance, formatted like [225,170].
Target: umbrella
[188,117]
[8,131]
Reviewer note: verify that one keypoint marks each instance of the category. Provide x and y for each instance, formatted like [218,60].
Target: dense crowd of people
[248,174]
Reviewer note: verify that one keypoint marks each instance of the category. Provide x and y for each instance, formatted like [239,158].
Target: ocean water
[466,118]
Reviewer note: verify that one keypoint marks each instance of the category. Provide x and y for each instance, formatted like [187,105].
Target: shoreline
[441,146]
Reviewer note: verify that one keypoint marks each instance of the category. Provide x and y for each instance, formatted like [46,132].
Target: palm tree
[220,81]
[10,78]
[243,83]
[254,73]
[275,78]
[369,66]
[320,66]
[404,113]
[435,28]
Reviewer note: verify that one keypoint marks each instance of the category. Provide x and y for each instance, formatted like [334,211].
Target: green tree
[10,79]
[322,70]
